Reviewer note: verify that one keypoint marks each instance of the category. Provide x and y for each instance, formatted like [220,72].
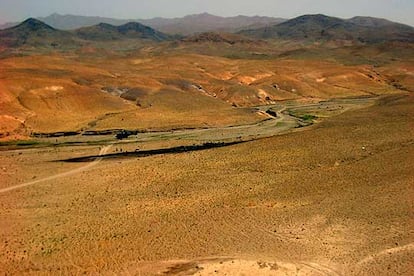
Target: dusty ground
[334,199]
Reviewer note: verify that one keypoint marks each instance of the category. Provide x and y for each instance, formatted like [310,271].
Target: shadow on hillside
[145,153]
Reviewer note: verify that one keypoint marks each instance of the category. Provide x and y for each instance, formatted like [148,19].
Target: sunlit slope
[54,94]
[42,97]
[253,82]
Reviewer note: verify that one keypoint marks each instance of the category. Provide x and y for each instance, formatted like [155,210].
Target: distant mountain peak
[106,26]
[316,15]
[136,27]
[204,15]
[34,25]
[316,18]
[133,25]
[131,30]
[35,33]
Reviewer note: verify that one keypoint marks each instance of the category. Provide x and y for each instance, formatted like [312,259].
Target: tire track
[60,175]
[319,268]
[386,253]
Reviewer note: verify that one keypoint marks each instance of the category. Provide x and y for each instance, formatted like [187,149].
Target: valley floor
[335,199]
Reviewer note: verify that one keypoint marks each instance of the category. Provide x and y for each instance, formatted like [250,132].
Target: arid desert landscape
[207,146]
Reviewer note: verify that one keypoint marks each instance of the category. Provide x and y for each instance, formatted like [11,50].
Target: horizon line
[195,14]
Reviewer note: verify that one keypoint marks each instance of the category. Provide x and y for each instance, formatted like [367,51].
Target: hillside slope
[131,30]
[325,28]
[33,32]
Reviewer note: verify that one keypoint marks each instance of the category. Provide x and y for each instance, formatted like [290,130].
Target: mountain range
[320,27]
[34,32]
[205,22]
[309,28]
[187,25]
[131,30]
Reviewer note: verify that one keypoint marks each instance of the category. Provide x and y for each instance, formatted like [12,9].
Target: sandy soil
[335,199]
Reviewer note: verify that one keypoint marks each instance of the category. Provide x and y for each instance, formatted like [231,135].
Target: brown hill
[324,28]
[131,30]
[33,32]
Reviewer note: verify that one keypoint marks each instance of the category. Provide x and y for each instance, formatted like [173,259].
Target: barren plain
[333,199]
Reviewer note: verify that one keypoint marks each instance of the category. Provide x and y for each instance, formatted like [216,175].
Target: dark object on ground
[123,134]
[144,153]
[271,113]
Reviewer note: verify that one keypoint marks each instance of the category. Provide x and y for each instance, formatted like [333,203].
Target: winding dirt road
[103,151]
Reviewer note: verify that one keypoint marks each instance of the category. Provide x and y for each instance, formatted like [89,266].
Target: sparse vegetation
[24,143]
[187,148]
[308,117]
[280,192]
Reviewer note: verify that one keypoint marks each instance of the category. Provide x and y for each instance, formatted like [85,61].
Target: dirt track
[59,175]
